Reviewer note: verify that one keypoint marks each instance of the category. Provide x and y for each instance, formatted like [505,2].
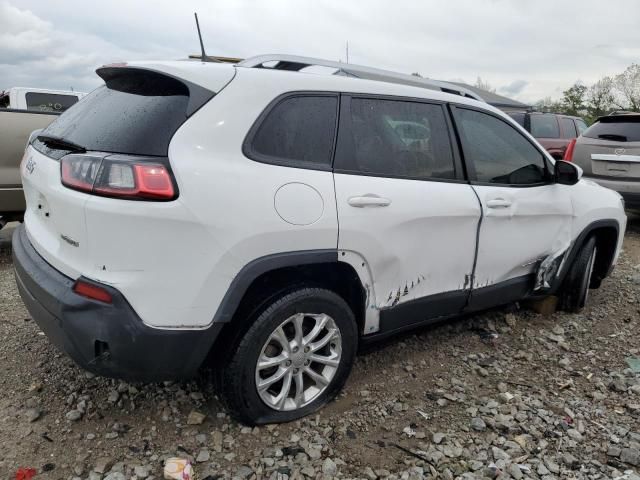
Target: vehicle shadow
[633,221]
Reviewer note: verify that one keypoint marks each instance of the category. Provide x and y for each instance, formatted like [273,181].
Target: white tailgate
[55,217]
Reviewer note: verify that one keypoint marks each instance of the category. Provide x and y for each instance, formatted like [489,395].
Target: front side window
[568,128]
[298,129]
[497,151]
[545,126]
[398,139]
[49,102]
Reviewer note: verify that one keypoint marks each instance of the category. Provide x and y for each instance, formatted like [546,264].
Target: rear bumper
[107,339]
[629,189]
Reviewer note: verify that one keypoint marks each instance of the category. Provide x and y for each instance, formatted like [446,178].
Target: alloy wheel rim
[298,361]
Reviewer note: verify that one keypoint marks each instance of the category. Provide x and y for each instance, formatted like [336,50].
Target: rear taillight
[94,292]
[118,176]
[568,153]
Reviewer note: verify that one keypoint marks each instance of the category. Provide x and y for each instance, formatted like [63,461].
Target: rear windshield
[518,117]
[136,112]
[617,129]
[49,102]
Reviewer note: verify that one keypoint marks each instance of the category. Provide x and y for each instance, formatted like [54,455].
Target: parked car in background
[271,221]
[609,153]
[23,110]
[553,131]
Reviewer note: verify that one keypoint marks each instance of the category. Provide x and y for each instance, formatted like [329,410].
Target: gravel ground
[505,394]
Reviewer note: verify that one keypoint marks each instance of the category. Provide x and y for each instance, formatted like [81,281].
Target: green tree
[600,98]
[627,86]
[573,99]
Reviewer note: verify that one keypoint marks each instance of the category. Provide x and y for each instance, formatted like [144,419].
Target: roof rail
[295,63]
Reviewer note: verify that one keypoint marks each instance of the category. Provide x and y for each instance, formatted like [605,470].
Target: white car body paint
[174,262]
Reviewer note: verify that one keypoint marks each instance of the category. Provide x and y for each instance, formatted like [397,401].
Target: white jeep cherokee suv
[270,220]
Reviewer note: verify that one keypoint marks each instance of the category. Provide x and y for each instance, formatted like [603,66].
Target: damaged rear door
[404,207]
[526,217]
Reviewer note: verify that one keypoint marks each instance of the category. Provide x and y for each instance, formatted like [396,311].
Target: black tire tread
[571,294]
[229,384]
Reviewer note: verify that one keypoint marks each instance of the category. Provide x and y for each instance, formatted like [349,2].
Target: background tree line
[620,92]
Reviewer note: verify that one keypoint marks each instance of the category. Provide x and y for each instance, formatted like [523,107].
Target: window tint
[299,129]
[497,151]
[617,129]
[49,102]
[568,128]
[581,126]
[136,112]
[544,126]
[396,139]
[518,117]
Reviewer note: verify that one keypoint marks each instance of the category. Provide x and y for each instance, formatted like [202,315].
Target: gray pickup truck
[22,111]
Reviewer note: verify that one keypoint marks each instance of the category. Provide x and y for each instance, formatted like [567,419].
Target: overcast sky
[525,49]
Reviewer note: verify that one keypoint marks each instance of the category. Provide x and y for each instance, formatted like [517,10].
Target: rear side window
[544,126]
[497,151]
[518,117]
[615,128]
[395,139]
[299,130]
[136,112]
[568,128]
[49,102]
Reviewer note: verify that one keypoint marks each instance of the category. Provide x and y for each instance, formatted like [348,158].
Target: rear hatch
[611,148]
[130,119]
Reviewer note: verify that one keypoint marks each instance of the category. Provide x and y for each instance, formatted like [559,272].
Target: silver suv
[609,154]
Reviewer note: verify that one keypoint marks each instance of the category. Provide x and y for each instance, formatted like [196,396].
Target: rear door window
[397,139]
[496,152]
[544,126]
[518,117]
[568,128]
[49,102]
[297,131]
[616,128]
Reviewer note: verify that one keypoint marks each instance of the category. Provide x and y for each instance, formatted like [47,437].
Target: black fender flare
[251,271]
[577,244]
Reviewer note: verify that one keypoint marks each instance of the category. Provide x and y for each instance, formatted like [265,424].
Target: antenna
[204,55]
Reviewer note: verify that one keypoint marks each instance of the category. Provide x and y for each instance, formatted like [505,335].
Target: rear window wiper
[58,143]
[612,136]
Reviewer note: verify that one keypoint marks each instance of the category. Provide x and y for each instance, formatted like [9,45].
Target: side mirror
[567,173]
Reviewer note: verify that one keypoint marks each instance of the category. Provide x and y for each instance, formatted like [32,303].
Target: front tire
[295,357]
[576,285]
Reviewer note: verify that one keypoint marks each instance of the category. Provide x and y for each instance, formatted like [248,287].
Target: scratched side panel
[423,243]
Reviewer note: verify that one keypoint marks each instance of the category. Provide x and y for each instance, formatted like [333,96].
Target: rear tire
[307,340]
[575,291]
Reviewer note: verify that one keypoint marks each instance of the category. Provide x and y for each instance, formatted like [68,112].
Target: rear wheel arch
[267,278]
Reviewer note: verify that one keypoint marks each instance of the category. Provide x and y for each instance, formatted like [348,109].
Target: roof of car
[206,73]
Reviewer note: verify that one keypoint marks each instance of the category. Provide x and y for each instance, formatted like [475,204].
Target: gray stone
[329,467]
[499,454]
[574,434]
[630,456]
[514,470]
[438,438]
[74,415]
[203,456]
[195,418]
[115,476]
[478,424]
[33,414]
[244,471]
[141,471]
